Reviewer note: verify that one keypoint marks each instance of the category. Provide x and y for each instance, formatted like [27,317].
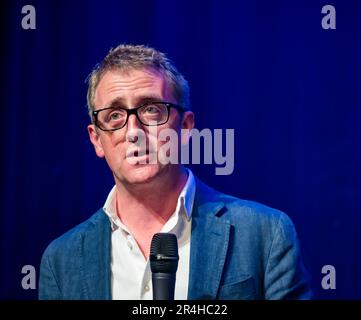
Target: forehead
[131,85]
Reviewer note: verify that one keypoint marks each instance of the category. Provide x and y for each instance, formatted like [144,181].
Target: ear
[188,124]
[95,140]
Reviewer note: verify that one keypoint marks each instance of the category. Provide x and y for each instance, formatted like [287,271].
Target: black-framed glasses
[154,113]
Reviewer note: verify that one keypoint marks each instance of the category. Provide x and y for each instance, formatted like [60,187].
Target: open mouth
[140,157]
[136,153]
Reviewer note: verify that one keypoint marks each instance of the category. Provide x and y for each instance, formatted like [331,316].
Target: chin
[139,174]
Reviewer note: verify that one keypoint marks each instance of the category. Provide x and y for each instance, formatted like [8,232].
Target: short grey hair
[127,57]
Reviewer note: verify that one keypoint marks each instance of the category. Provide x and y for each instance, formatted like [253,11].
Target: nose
[134,129]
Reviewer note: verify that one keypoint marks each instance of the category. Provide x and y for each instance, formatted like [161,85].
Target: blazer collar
[209,244]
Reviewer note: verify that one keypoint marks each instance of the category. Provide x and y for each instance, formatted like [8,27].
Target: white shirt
[131,277]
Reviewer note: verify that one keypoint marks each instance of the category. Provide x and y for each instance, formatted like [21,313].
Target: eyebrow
[119,101]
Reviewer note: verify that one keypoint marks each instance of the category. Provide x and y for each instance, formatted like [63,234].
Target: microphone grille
[164,253]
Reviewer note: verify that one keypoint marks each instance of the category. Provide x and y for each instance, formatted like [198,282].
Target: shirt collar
[184,205]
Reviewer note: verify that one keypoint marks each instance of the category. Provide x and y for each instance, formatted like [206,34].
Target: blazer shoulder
[71,238]
[240,210]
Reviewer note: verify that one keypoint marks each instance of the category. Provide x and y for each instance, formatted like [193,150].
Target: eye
[115,115]
[152,109]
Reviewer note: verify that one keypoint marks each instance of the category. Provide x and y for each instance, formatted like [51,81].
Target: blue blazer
[239,250]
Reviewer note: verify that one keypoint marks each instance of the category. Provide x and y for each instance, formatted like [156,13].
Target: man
[228,248]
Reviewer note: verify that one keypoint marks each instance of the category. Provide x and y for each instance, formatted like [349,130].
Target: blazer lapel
[95,259]
[209,244]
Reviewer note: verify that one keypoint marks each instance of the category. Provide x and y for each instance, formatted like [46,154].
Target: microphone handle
[163,286]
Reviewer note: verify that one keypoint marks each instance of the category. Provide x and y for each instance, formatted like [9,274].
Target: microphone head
[164,253]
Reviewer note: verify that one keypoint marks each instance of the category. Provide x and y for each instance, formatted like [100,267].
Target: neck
[150,205]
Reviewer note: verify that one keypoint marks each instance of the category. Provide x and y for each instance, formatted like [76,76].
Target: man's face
[129,90]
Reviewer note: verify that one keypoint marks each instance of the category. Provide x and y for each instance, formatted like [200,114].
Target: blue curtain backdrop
[291,91]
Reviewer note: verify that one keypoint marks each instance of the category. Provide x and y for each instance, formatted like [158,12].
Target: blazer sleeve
[48,286]
[286,276]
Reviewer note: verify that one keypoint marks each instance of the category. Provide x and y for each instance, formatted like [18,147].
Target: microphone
[163,264]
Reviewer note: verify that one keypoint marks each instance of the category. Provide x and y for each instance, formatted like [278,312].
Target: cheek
[112,148]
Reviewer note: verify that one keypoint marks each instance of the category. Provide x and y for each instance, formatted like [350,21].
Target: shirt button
[146,288]
[129,244]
